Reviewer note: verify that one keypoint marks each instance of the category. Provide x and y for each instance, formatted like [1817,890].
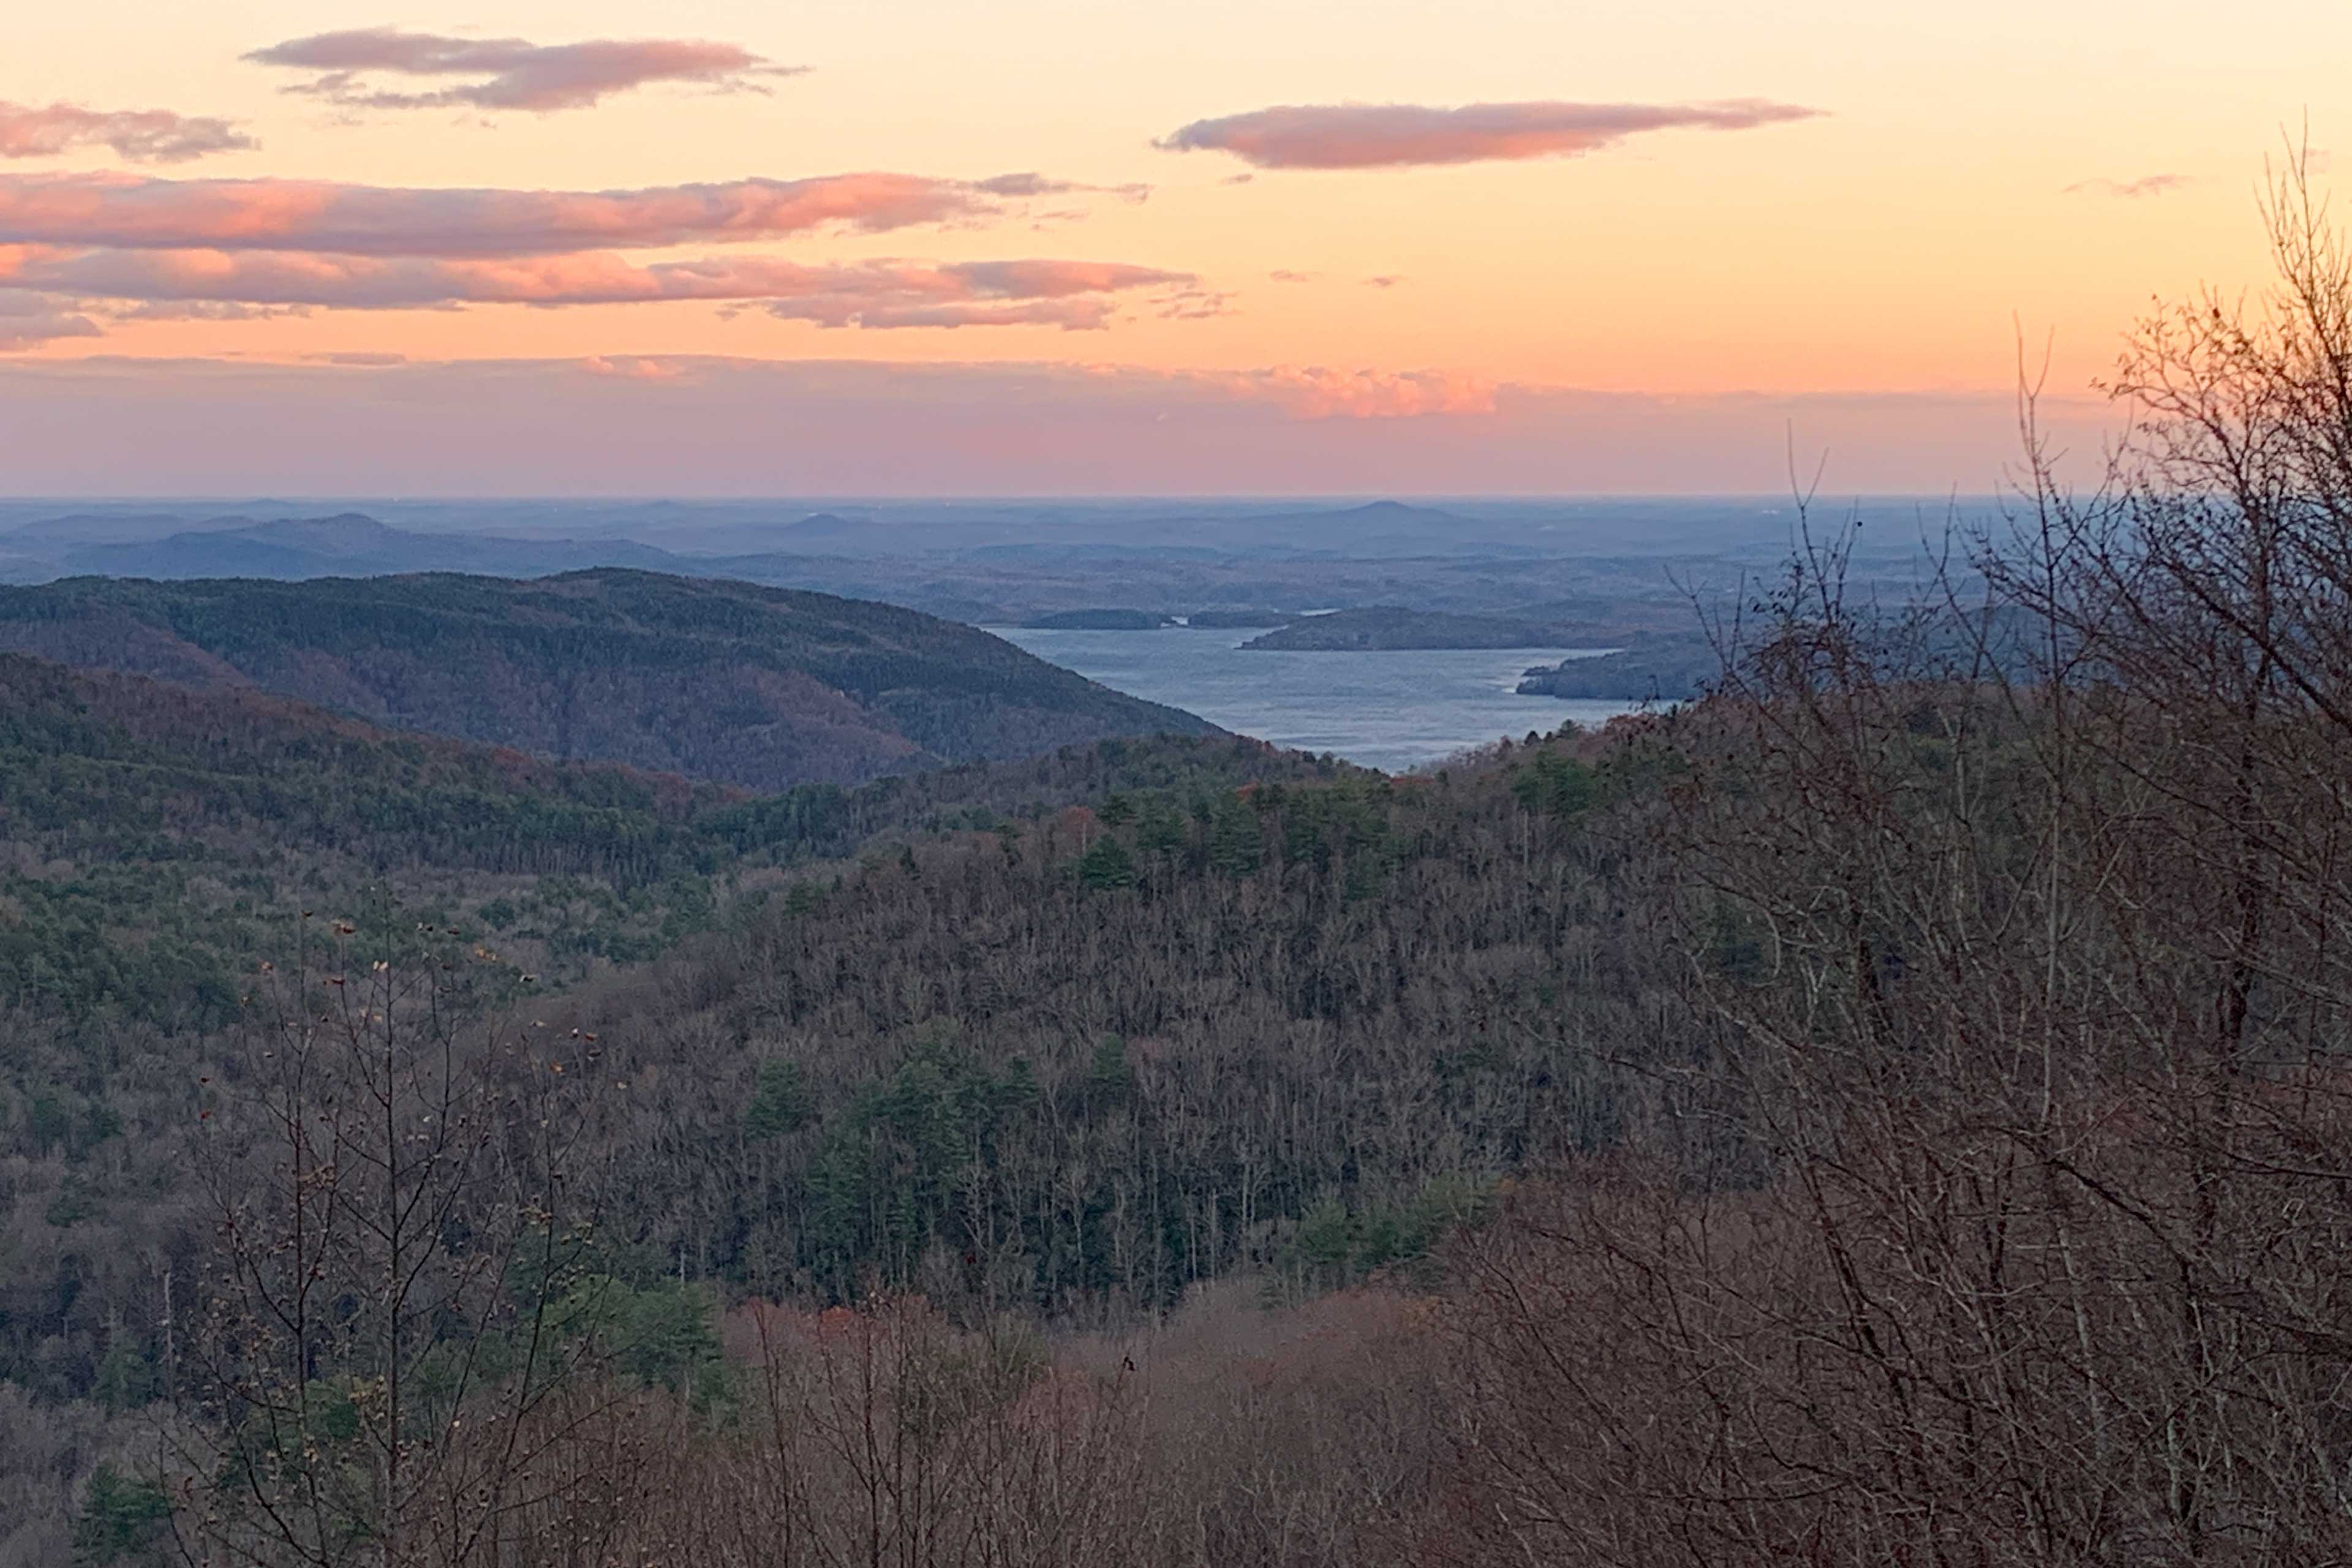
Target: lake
[1387,709]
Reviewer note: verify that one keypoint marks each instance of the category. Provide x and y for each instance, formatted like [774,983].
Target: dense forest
[764,687]
[1891,1111]
[157,838]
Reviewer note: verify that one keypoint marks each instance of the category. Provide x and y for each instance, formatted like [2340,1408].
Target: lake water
[1388,710]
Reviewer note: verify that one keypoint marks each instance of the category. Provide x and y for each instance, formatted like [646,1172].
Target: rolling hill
[761,688]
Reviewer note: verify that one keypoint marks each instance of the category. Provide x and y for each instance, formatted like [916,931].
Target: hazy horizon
[920,249]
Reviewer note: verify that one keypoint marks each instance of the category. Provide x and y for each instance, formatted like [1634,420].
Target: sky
[1089,246]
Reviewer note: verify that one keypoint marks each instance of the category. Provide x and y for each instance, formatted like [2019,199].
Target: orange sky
[1919,182]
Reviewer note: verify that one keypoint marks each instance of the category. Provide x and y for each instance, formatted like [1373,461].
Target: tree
[123,1520]
[1107,865]
[781,1102]
[403,1221]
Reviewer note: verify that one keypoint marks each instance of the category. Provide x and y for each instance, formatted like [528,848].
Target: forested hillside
[156,839]
[1149,1004]
[761,688]
[1299,1027]
[1058,1038]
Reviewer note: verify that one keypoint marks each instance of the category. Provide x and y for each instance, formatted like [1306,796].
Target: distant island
[1664,670]
[1098,621]
[1236,620]
[1390,626]
[1126,620]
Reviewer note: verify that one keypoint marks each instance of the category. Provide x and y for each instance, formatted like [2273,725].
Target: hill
[761,688]
[153,840]
[156,839]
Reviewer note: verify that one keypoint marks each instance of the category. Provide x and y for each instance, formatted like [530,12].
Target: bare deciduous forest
[1893,1110]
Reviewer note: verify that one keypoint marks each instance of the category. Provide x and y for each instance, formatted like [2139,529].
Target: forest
[1890,1110]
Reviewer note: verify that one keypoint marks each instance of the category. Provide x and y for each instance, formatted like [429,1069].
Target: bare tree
[403,1209]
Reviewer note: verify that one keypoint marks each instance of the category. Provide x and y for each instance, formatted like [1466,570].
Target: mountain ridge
[732,682]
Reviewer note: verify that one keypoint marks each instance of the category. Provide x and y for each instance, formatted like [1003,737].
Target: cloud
[1285,275]
[2145,185]
[28,320]
[141,135]
[1315,393]
[203,310]
[637,367]
[1075,295]
[1030,184]
[1394,135]
[509,73]
[128,211]
[1384,280]
[359,359]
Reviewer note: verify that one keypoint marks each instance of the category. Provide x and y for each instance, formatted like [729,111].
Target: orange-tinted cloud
[141,135]
[131,211]
[511,73]
[1075,295]
[1395,135]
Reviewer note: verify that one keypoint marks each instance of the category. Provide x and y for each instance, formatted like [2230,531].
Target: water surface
[1393,710]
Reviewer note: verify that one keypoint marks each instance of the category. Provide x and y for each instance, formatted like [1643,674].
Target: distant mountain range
[761,688]
[1625,565]
[350,545]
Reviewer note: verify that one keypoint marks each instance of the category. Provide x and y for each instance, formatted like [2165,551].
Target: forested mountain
[762,688]
[158,839]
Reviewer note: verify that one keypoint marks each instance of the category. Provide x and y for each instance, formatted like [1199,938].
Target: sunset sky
[926,247]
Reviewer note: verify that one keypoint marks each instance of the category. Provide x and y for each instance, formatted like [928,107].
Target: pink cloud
[130,211]
[1316,392]
[1393,135]
[1074,295]
[511,73]
[141,135]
